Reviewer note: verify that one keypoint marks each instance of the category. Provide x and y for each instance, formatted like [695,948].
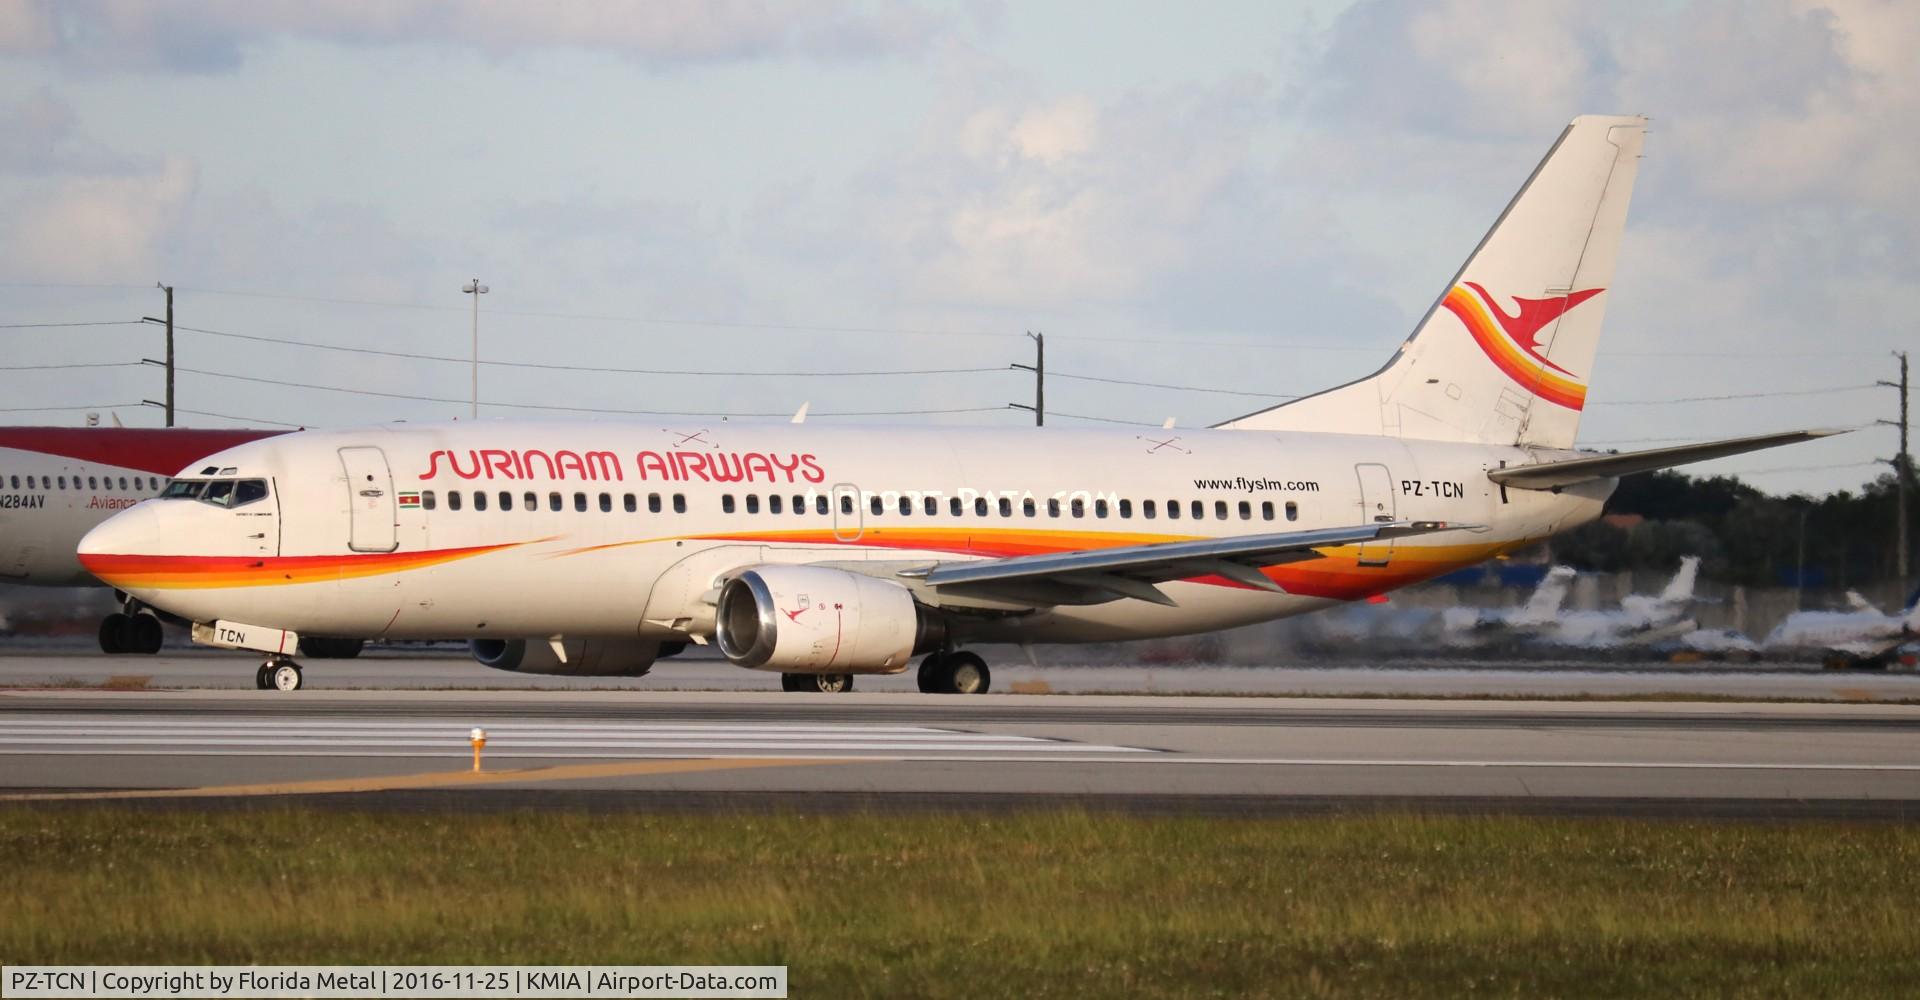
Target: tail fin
[1503,356]
[1680,588]
[1547,598]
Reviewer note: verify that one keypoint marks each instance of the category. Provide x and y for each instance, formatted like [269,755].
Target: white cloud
[214,35]
[99,228]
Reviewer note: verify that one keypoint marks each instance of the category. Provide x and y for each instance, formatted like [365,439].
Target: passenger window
[580,503]
[873,504]
[1053,506]
[753,503]
[726,503]
[631,502]
[1199,510]
[529,500]
[249,491]
[123,482]
[1220,509]
[1173,510]
[453,499]
[932,506]
[1293,511]
[1266,510]
[653,503]
[953,506]
[1079,507]
[63,482]
[820,503]
[1099,508]
[1126,509]
[506,500]
[906,506]
[1246,511]
[846,503]
[980,506]
[1006,507]
[1146,509]
[1028,507]
[606,503]
[16,482]
[92,483]
[427,500]
[679,503]
[553,501]
[479,499]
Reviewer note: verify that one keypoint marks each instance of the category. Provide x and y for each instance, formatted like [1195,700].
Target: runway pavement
[409,749]
[392,670]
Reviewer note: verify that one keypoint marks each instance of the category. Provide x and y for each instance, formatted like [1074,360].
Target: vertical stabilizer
[1503,356]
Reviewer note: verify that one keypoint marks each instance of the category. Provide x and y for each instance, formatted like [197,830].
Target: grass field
[1041,904]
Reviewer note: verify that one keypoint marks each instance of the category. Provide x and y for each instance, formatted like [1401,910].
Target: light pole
[475,289]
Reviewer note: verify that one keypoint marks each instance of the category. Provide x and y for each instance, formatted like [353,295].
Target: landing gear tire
[260,680]
[954,673]
[283,675]
[817,683]
[143,635]
[113,633]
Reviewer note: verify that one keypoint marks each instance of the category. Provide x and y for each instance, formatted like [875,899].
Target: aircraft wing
[1095,576]
[1574,471]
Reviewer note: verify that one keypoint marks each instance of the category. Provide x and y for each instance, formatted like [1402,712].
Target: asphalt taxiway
[729,750]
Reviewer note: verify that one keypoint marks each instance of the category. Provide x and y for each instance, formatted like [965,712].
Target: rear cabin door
[369,500]
[1376,505]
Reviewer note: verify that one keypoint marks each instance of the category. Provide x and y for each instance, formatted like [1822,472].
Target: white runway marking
[211,736]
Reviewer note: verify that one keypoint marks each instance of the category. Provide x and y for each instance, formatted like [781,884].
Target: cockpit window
[183,489]
[219,493]
[248,491]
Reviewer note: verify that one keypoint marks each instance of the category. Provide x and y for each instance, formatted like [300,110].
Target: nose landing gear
[278,674]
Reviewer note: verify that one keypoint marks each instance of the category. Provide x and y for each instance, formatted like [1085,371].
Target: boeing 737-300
[822,553]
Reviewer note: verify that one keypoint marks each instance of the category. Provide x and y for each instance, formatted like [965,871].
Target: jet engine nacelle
[585,657]
[810,619]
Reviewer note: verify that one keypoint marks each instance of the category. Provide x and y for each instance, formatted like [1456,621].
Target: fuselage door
[369,500]
[849,521]
[1376,505]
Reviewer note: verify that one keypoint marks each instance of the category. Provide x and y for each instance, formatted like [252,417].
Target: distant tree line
[1744,536]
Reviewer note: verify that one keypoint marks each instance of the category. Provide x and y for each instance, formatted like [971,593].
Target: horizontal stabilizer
[1574,471]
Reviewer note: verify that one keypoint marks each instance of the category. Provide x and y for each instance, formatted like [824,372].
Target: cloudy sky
[1241,200]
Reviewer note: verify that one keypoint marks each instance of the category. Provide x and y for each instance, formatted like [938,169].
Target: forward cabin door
[1376,505]
[849,518]
[370,500]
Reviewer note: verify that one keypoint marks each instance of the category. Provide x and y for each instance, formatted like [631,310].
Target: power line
[580,409]
[94,364]
[244,420]
[1167,385]
[1103,420]
[698,373]
[1740,395]
[49,409]
[50,326]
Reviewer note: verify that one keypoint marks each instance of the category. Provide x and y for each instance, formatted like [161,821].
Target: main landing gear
[130,633]
[954,673]
[820,683]
[278,674]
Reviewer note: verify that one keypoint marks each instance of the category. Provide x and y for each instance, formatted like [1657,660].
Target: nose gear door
[369,500]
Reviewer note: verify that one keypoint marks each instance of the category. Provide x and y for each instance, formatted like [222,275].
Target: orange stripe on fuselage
[167,572]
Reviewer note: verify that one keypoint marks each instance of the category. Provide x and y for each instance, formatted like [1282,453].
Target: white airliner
[1641,619]
[58,483]
[1861,636]
[822,553]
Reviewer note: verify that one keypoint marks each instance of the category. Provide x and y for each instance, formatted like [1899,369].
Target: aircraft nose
[110,549]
